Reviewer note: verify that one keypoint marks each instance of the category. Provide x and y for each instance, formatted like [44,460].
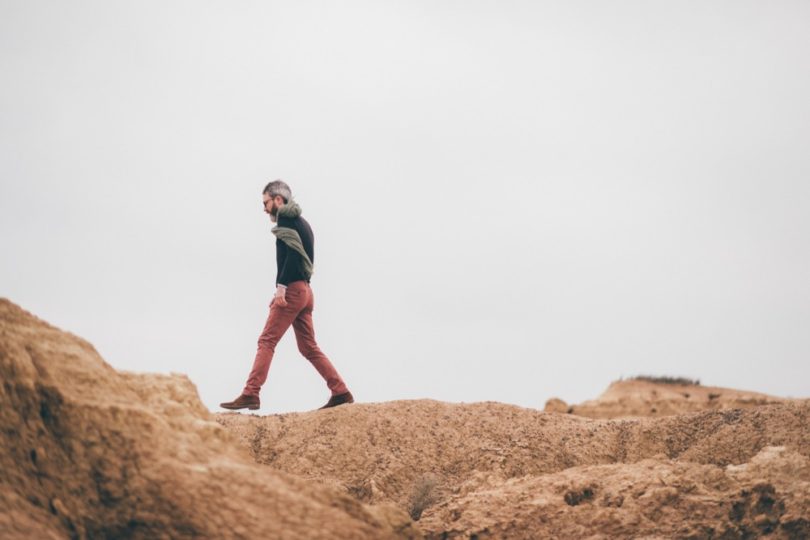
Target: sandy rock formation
[636,398]
[556,405]
[389,451]
[652,498]
[90,452]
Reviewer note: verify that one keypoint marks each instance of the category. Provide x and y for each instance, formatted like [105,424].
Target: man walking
[292,303]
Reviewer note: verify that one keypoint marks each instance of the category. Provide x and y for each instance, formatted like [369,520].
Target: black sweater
[288,261]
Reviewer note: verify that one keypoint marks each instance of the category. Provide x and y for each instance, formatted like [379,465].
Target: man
[292,303]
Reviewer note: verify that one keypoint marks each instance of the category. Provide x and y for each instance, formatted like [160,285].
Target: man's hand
[280,297]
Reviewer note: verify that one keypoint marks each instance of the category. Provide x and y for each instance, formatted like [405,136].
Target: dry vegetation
[423,495]
[656,379]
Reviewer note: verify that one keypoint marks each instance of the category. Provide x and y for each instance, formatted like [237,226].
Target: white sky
[511,200]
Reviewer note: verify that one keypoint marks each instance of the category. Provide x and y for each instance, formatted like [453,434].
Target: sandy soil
[91,452]
[503,471]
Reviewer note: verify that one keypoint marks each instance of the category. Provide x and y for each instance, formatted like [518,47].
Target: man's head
[275,195]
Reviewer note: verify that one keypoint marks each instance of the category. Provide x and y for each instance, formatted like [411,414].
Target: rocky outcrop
[500,471]
[90,452]
[653,498]
[379,451]
[633,398]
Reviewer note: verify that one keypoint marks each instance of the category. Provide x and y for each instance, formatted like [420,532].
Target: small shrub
[667,380]
[423,495]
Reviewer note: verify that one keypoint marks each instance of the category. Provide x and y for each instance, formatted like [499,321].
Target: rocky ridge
[500,471]
[645,397]
[91,452]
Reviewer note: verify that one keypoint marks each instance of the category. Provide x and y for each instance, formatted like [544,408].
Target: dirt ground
[91,452]
[500,471]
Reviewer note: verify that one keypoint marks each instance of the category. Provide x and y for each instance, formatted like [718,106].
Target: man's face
[271,205]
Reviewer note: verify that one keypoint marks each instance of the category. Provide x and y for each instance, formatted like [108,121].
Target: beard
[274,213]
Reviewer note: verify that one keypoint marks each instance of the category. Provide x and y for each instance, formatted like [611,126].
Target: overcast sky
[511,200]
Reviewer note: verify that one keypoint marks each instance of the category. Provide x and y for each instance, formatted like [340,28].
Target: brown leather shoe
[339,399]
[242,402]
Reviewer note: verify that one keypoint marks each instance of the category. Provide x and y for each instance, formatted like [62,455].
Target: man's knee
[267,342]
[308,349]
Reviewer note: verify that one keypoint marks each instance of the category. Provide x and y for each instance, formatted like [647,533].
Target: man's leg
[305,337]
[278,322]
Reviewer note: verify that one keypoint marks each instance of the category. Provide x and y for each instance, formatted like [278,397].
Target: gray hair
[278,187]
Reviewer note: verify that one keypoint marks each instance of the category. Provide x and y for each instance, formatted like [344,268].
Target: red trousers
[298,313]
